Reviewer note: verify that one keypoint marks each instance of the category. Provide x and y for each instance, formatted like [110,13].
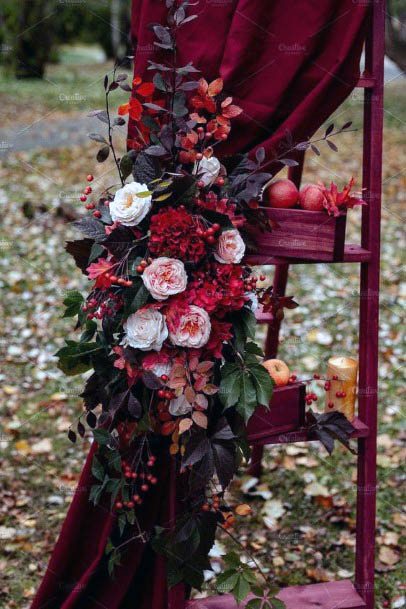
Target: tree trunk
[395,38]
[34,38]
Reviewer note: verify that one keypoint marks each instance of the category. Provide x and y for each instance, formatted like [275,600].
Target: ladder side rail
[369,306]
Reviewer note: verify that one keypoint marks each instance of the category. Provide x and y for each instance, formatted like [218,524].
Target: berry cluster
[139,483]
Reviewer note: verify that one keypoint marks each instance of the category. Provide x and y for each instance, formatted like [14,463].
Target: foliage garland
[168,327]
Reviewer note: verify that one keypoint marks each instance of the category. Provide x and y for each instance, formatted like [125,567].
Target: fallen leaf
[388,556]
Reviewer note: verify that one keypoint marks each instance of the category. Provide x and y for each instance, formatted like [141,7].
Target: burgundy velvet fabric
[288,65]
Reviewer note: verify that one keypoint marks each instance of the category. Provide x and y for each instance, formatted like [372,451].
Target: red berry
[205,507]
[316,376]
[216,227]
[327,385]
[136,498]
[211,240]
[335,377]
[144,487]
[338,394]
[200,184]
[154,480]
[164,377]
[130,505]
[150,463]
[118,505]
[134,475]
[199,156]
[293,377]
[140,269]
[90,178]
[161,393]
[87,190]
[220,181]
[343,394]
[97,214]
[83,198]
[330,404]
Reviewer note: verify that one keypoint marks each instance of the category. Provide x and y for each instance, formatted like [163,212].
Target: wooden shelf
[268,436]
[331,595]
[352,253]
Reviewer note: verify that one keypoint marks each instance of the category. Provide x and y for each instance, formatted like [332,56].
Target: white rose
[230,247]
[180,406]
[127,207]
[191,329]
[145,330]
[165,277]
[208,170]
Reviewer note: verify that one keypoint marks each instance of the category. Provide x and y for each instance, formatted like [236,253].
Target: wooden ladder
[341,594]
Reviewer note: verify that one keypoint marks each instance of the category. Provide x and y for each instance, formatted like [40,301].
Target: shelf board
[352,253]
[271,436]
[331,595]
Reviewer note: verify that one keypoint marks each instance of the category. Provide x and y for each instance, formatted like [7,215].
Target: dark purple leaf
[72,436]
[97,138]
[103,154]
[118,400]
[106,82]
[121,77]
[91,419]
[155,150]
[91,228]
[346,125]
[260,155]
[134,407]
[81,429]
[329,130]
[332,145]
[315,149]
[289,162]
[151,380]
[302,146]
[191,85]
[80,251]
[154,107]
[125,87]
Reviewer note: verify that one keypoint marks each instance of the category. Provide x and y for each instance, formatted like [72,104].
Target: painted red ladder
[342,594]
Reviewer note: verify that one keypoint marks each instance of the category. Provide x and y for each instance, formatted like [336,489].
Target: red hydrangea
[177,234]
[220,332]
[218,288]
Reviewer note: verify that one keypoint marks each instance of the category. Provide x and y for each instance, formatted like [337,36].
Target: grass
[313,539]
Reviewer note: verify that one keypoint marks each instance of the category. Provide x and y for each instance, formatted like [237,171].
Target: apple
[282,193]
[278,371]
[311,197]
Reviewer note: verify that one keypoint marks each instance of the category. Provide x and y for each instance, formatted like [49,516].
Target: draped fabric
[289,65]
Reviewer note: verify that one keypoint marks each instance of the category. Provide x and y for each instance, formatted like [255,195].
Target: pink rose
[165,277]
[191,328]
[230,247]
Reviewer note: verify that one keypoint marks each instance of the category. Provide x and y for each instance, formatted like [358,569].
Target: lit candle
[342,375]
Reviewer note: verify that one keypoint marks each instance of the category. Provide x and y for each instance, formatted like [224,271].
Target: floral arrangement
[168,326]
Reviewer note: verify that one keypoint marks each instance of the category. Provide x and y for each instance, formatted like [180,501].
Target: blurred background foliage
[23,24]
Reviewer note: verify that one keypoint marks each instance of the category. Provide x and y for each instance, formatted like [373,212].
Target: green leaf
[114,561]
[230,388]
[254,603]
[96,251]
[232,560]
[122,519]
[226,581]
[254,349]
[249,323]
[241,589]
[97,469]
[73,302]
[276,603]
[101,436]
[247,400]
[263,384]
[95,493]
[126,166]
[76,357]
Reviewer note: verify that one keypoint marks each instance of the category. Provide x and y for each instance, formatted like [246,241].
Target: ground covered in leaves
[303,522]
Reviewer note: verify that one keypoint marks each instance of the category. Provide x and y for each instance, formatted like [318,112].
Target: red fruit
[90,178]
[164,377]
[154,480]
[330,404]
[130,504]
[83,198]
[118,505]
[144,487]
[311,197]
[97,214]
[87,190]
[282,194]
